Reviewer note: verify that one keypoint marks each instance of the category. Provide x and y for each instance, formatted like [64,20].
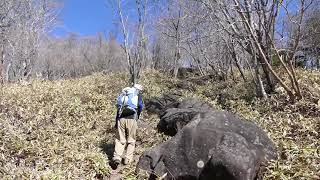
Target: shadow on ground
[108,148]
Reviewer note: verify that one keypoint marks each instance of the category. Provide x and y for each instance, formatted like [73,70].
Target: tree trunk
[270,80]
[1,61]
[234,55]
[8,72]
[231,71]
[175,71]
[260,90]
[176,63]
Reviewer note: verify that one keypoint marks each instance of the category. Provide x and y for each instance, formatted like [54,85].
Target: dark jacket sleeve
[117,118]
[140,106]
[117,115]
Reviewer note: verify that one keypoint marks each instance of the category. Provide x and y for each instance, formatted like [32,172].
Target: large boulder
[193,103]
[213,145]
[159,104]
[174,119]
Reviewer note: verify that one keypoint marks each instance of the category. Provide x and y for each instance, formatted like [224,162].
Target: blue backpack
[127,101]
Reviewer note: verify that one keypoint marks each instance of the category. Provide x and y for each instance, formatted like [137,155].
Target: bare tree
[311,34]
[293,91]
[136,52]
[76,56]
[172,23]
[252,25]
[7,18]
[26,22]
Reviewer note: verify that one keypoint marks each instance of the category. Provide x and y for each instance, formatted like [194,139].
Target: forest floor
[64,129]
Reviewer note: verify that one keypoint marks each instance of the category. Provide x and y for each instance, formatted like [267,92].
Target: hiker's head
[138,87]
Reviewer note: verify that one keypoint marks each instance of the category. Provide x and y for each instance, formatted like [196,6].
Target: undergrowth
[64,129]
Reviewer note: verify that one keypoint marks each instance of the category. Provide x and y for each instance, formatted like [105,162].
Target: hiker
[129,107]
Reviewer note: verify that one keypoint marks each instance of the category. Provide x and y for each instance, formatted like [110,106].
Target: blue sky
[89,17]
[86,17]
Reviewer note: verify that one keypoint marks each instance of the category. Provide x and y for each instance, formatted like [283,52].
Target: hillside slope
[64,129]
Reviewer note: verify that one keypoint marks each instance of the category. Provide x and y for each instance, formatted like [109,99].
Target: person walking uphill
[129,107]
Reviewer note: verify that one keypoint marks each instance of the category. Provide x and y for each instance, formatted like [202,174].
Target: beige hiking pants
[126,135]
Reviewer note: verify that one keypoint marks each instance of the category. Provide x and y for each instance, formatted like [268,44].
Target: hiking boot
[115,163]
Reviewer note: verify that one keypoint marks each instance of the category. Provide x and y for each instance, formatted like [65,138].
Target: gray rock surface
[193,103]
[213,145]
[174,119]
[158,105]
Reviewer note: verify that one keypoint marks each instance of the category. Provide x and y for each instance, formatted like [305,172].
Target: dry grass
[64,129]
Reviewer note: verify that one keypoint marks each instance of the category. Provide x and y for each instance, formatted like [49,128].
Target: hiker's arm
[140,106]
[117,118]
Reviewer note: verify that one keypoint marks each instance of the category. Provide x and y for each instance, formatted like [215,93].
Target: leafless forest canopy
[262,40]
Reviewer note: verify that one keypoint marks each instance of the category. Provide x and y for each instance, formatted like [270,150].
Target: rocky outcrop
[174,119]
[208,144]
[189,103]
[159,104]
